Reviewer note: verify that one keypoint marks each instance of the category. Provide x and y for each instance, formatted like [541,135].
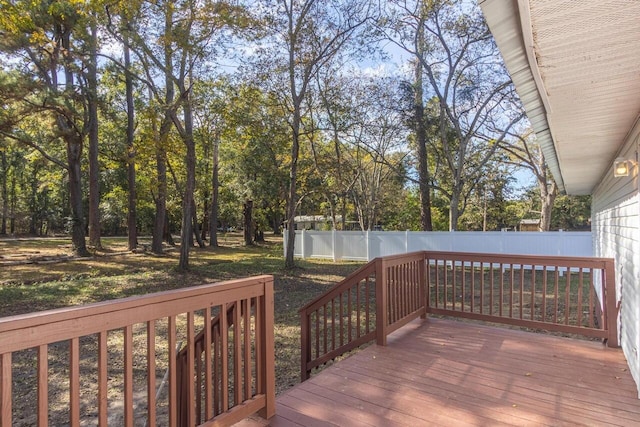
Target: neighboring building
[576,67]
[312,222]
[529,225]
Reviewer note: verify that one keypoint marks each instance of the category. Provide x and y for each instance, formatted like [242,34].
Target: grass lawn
[34,276]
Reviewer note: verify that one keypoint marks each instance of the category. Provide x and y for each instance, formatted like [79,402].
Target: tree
[527,153]
[307,35]
[189,27]
[44,39]
[476,100]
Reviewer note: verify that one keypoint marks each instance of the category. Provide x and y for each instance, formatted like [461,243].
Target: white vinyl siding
[616,234]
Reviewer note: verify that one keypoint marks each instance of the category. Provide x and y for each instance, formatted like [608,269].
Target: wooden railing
[549,293]
[372,302]
[106,361]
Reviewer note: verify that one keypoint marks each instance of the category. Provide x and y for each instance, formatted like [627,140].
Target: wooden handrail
[520,290]
[180,312]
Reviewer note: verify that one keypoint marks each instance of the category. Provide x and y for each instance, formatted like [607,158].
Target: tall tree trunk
[74,142]
[5,193]
[190,160]
[12,211]
[165,128]
[215,190]
[74,155]
[94,166]
[292,198]
[132,230]
[454,211]
[166,231]
[548,194]
[196,224]
[247,212]
[205,220]
[423,161]
[34,200]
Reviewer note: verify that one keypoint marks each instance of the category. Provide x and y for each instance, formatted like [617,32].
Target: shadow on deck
[445,372]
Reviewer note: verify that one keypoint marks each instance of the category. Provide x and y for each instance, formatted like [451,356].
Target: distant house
[314,222]
[576,67]
[529,225]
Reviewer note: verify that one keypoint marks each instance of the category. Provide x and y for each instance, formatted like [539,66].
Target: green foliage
[571,213]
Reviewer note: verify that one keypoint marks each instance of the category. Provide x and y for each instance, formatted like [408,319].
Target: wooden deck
[445,372]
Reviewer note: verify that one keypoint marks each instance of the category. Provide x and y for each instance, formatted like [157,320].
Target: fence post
[334,249]
[381,302]
[302,243]
[406,241]
[366,239]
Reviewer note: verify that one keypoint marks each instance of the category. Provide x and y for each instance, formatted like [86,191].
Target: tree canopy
[196,117]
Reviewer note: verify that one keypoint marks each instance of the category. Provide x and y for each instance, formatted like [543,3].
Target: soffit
[576,67]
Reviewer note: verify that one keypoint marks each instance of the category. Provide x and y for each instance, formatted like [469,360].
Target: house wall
[616,234]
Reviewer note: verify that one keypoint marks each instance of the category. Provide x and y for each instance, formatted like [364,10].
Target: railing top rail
[549,260]
[357,275]
[391,260]
[68,322]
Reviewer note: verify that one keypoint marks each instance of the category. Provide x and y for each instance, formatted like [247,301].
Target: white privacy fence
[367,245]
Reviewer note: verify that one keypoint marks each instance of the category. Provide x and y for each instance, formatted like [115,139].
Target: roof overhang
[576,67]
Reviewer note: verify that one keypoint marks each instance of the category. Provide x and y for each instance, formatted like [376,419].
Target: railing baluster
[446,283]
[237,353]
[219,385]
[501,288]
[191,409]
[333,324]
[325,316]
[357,287]
[5,390]
[511,280]
[592,292]
[533,291]
[43,386]
[247,349]
[224,358]
[473,287]
[103,381]
[567,290]
[341,319]
[173,377]
[491,284]
[367,304]
[208,374]
[544,294]
[128,376]
[463,284]
[151,373]
[260,374]
[74,382]
[349,311]
[555,292]
[579,304]
[521,290]
[481,287]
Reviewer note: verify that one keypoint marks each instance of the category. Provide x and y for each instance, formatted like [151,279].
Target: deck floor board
[447,372]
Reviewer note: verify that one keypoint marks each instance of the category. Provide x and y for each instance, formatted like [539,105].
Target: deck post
[424,294]
[305,347]
[381,302]
[269,409]
[610,302]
